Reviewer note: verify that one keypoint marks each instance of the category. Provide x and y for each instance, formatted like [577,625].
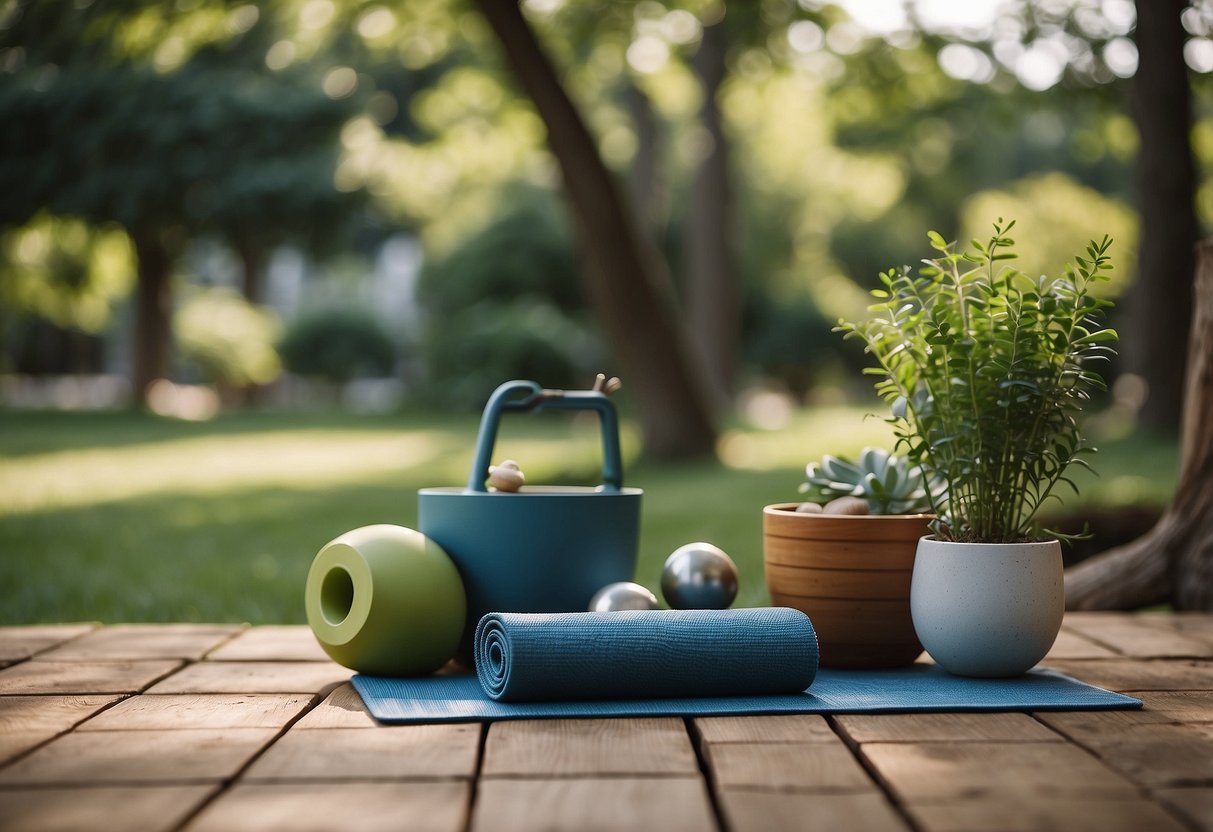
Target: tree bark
[153,308]
[253,261]
[711,283]
[623,271]
[1174,561]
[1166,191]
[643,181]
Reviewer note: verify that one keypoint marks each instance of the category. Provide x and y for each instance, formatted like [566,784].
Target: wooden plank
[564,747]
[321,807]
[92,757]
[145,641]
[1128,675]
[786,765]
[102,809]
[757,811]
[343,708]
[1158,756]
[958,727]
[38,676]
[48,713]
[1128,813]
[271,643]
[19,643]
[15,743]
[615,804]
[793,728]
[1195,804]
[1197,625]
[215,710]
[1135,636]
[1071,644]
[399,752]
[254,677]
[1082,725]
[1180,705]
[951,771]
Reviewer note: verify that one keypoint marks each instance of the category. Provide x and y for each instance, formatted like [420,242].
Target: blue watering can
[542,548]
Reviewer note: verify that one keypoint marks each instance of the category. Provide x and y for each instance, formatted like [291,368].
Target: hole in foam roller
[336,596]
[495,654]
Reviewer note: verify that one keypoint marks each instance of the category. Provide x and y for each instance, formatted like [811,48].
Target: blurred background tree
[732,179]
[166,122]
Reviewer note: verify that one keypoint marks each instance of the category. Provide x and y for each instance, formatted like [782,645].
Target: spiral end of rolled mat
[492,655]
[644,654]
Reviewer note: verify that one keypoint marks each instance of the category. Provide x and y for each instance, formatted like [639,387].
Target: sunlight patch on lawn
[807,436]
[214,464]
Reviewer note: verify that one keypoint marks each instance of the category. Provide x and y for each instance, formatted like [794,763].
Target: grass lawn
[128,517]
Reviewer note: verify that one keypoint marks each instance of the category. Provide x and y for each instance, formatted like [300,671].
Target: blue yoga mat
[919,688]
[644,654]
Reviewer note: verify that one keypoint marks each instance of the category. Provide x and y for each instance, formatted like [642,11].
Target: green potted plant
[847,564]
[986,371]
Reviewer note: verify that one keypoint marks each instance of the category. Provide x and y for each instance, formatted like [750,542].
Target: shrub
[339,345]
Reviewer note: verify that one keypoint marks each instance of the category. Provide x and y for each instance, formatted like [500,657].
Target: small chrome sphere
[699,576]
[623,595]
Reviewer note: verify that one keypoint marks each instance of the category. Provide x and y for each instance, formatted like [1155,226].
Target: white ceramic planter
[987,609]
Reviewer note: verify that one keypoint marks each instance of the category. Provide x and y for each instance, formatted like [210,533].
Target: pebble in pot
[623,595]
[699,576]
[507,476]
[855,506]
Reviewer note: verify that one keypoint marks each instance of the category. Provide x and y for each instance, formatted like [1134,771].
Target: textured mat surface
[920,688]
[644,654]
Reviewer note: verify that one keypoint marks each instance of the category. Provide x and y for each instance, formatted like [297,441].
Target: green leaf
[1103,336]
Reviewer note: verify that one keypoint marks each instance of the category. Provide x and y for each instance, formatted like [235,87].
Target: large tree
[1166,201]
[711,278]
[96,127]
[624,275]
[1173,563]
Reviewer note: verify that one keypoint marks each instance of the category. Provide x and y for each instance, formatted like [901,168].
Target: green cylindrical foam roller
[386,601]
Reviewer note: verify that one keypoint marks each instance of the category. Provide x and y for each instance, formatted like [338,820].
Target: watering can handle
[506,398]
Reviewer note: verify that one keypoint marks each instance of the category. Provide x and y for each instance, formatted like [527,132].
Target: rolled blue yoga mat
[644,654]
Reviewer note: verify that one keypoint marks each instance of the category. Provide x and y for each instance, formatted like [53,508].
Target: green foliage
[63,271]
[526,251]
[1057,213]
[507,304]
[986,371]
[890,484]
[200,149]
[228,339]
[339,345]
[469,355]
[787,339]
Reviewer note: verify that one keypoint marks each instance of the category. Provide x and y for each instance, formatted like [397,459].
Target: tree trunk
[643,181]
[153,308]
[623,272]
[253,261]
[711,284]
[1174,561]
[1165,183]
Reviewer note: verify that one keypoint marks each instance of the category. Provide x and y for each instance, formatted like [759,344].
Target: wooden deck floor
[230,728]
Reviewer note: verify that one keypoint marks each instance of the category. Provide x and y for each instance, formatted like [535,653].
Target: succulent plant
[889,483]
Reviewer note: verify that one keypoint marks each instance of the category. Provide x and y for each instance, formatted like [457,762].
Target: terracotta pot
[851,576]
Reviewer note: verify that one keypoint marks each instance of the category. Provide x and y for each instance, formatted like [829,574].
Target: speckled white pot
[987,609]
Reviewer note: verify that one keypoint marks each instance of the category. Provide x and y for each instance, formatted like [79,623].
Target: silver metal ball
[623,595]
[699,576]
